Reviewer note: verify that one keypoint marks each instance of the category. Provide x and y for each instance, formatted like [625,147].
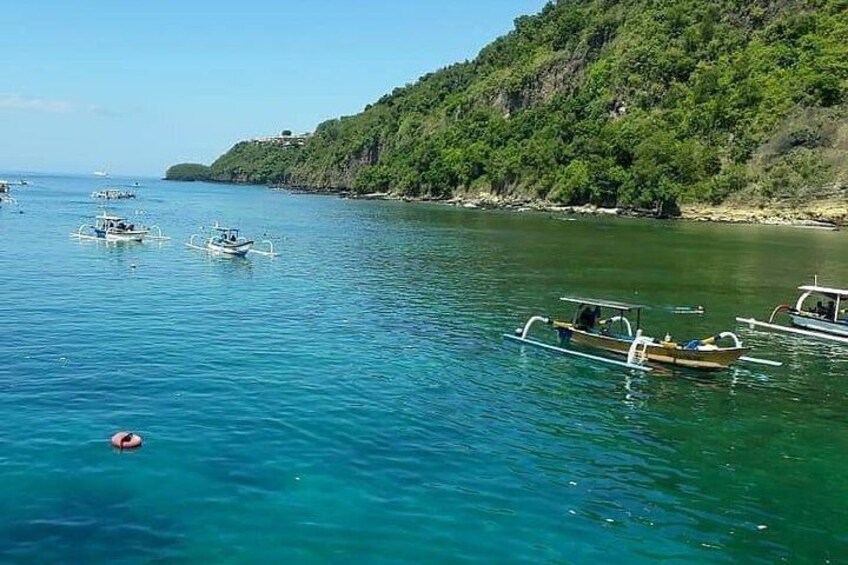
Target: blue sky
[133,87]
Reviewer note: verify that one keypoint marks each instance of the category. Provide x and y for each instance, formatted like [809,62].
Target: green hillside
[188,172]
[645,103]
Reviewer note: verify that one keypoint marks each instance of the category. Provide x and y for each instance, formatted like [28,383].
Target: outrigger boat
[826,319]
[614,333]
[228,242]
[112,194]
[113,228]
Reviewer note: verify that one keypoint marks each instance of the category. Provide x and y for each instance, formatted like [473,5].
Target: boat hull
[123,236]
[819,325]
[231,250]
[703,359]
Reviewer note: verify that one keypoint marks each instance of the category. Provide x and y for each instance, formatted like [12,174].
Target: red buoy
[125,440]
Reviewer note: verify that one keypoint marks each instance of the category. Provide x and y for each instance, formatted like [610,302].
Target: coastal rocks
[820,215]
[826,214]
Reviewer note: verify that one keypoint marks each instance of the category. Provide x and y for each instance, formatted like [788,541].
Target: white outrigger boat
[113,228]
[826,319]
[112,194]
[229,243]
[616,334]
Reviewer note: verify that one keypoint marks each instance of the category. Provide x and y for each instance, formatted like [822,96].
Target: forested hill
[646,103]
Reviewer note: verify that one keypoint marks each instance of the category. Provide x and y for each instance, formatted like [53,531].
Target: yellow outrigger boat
[603,324]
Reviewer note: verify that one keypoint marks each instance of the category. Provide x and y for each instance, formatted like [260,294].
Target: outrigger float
[825,320]
[615,334]
[227,242]
[113,228]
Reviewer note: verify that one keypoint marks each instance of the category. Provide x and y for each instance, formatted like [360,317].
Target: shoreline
[824,215]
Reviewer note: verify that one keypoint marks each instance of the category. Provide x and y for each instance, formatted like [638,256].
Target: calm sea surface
[352,400]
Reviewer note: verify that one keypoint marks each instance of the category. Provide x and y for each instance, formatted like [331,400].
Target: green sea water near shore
[353,400]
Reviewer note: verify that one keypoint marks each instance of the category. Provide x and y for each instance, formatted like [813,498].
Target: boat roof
[223,228]
[622,306]
[823,289]
[106,216]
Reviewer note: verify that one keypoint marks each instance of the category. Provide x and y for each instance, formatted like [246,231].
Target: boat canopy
[105,216]
[620,306]
[809,288]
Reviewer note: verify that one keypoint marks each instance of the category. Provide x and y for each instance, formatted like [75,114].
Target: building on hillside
[286,139]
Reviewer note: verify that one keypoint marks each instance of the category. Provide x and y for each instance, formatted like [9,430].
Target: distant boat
[112,228]
[826,319]
[116,229]
[112,194]
[5,189]
[100,174]
[227,242]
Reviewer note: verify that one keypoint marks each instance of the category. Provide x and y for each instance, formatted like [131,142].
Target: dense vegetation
[188,172]
[646,103]
[254,162]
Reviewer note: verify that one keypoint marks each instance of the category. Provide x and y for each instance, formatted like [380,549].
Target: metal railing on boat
[269,253]
[158,237]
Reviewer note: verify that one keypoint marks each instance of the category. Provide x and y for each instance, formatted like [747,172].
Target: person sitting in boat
[830,311]
[587,318]
[233,237]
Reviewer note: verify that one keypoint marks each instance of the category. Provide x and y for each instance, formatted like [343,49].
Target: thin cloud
[18,102]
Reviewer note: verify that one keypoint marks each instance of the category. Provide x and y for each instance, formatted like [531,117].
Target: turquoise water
[352,399]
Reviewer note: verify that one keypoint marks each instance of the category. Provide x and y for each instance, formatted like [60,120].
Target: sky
[134,87]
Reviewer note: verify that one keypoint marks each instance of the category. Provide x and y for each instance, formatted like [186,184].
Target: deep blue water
[352,399]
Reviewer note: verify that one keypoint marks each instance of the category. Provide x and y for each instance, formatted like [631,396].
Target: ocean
[353,400]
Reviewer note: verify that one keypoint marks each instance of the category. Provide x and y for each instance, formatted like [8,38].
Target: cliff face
[643,103]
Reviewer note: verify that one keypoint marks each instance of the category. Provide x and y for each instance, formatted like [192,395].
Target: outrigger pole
[752,323]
